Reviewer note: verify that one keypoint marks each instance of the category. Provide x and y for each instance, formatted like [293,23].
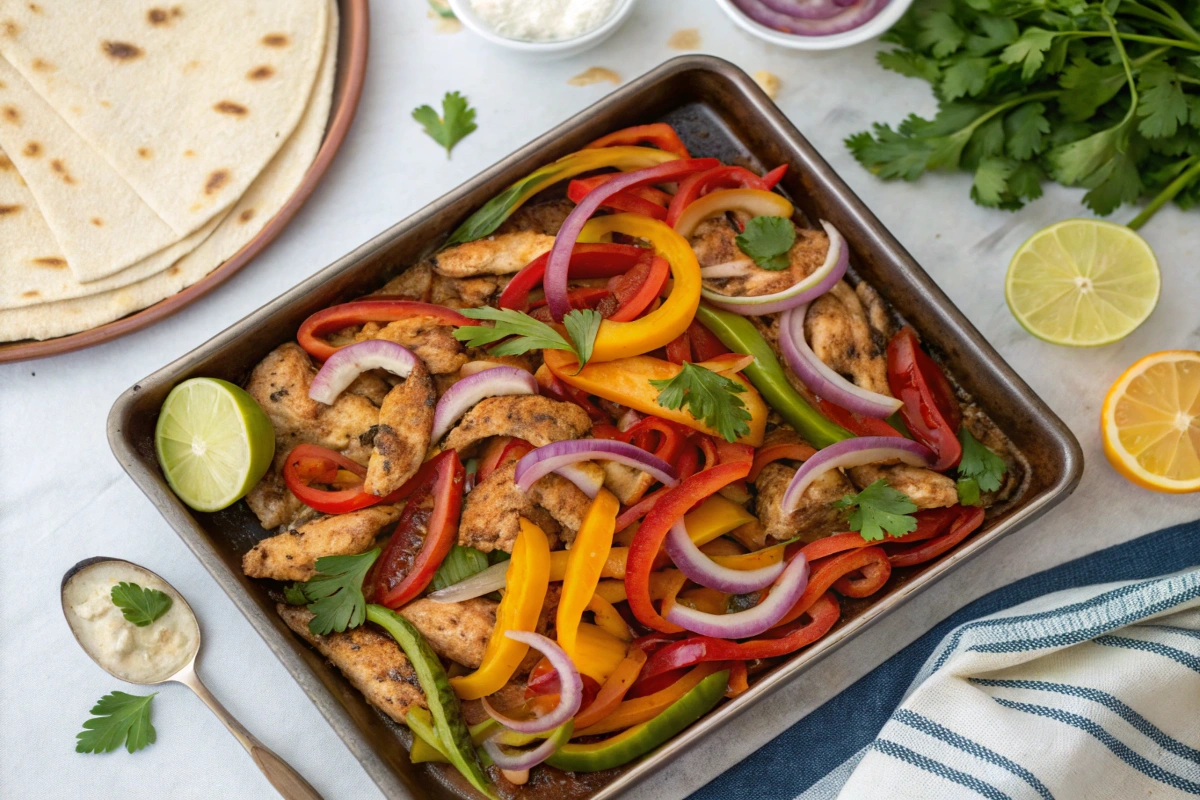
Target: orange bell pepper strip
[710,601]
[614,689]
[627,381]
[614,564]
[598,652]
[661,584]
[608,618]
[635,712]
[528,579]
[738,679]
[585,564]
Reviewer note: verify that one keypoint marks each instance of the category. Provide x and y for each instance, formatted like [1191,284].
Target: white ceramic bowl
[560,49]
[876,26]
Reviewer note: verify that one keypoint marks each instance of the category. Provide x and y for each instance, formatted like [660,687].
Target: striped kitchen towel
[1084,693]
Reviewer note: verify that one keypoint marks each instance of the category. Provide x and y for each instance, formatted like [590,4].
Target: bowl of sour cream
[545,27]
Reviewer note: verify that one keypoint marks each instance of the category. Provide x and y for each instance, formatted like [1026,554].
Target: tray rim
[352,62]
[975,346]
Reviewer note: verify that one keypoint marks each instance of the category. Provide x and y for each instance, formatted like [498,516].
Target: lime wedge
[213,442]
[1083,282]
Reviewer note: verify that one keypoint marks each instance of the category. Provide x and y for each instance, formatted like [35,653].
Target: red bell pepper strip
[967,521]
[679,349]
[705,346]
[855,423]
[738,679]
[777,642]
[638,288]
[826,573]
[543,680]
[600,260]
[772,178]
[498,450]
[792,451]
[696,186]
[930,410]
[308,463]
[659,134]
[376,309]
[653,531]
[633,201]
[423,536]
[578,189]
[875,574]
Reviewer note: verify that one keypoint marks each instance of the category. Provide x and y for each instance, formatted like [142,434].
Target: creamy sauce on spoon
[137,654]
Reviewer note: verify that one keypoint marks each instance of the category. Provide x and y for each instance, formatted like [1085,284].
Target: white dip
[543,20]
[132,653]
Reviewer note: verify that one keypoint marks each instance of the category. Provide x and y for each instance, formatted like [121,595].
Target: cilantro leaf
[1162,105]
[979,463]
[457,120]
[335,594]
[1088,86]
[767,240]
[991,181]
[117,718]
[582,326]
[140,606]
[709,397]
[966,76]
[906,62]
[530,333]
[878,509]
[941,33]
[1025,128]
[1029,51]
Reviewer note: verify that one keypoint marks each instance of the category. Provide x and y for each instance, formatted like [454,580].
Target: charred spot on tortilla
[173,270]
[5,164]
[261,73]
[189,153]
[120,51]
[276,40]
[53,262]
[32,150]
[246,216]
[61,170]
[11,114]
[161,16]
[231,108]
[6,210]
[216,180]
[35,8]
[11,29]
[99,223]
[145,152]
[42,66]
[32,293]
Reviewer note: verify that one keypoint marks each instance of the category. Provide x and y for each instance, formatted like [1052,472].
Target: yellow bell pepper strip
[703,599]
[754,202]
[643,709]
[585,564]
[598,652]
[614,565]
[658,327]
[715,517]
[739,335]
[426,746]
[614,689]
[609,619]
[661,584]
[528,578]
[627,381]
[501,207]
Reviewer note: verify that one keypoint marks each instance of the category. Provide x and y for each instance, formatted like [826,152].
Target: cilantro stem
[1169,18]
[1168,194]
[1137,37]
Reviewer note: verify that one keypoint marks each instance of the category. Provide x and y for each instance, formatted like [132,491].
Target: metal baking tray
[719,111]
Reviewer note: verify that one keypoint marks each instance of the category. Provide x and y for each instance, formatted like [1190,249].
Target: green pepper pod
[426,746]
[766,373]
[450,730]
[641,739]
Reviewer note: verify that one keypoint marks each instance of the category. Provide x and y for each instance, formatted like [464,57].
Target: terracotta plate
[352,66]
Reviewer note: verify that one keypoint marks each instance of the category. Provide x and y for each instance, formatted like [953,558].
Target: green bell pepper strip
[739,335]
[426,746]
[561,735]
[450,731]
[641,739]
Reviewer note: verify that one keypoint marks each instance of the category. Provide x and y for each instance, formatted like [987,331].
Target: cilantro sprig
[709,396]
[528,333]
[140,606]
[979,470]
[767,241]
[879,509]
[456,121]
[117,719]
[334,595]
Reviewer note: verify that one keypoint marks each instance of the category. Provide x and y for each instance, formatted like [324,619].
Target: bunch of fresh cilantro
[1102,95]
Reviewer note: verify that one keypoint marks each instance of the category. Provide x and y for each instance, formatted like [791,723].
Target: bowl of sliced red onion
[815,24]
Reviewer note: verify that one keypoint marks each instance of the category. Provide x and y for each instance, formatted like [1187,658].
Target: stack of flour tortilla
[141,146]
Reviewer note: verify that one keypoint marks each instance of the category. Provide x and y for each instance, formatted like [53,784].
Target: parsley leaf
[878,509]
[709,396]
[767,240]
[140,606]
[335,593]
[529,333]
[457,120]
[1163,105]
[117,718]
[979,463]
[582,326]
[1029,51]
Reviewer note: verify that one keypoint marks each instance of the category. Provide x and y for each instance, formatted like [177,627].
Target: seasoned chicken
[565,502]
[433,342]
[492,511]
[370,660]
[413,283]
[292,556]
[715,242]
[878,316]
[498,254]
[546,217]
[273,503]
[986,432]
[627,483]
[926,488]
[402,436]
[457,631]
[814,518]
[536,419]
[837,330]
[464,292]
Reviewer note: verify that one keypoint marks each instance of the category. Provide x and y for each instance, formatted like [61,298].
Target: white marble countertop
[64,497]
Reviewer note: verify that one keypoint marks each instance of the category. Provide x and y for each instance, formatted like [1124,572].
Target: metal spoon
[287,781]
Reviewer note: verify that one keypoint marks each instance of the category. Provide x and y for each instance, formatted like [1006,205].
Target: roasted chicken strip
[926,488]
[292,556]
[372,662]
[457,631]
[814,518]
[434,343]
[402,436]
[715,242]
[837,330]
[492,511]
[498,254]
[536,419]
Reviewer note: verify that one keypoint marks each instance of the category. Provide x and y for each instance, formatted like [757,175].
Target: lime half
[213,442]
[1083,282]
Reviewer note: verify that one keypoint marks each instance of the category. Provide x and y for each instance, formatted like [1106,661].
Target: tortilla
[188,103]
[265,196]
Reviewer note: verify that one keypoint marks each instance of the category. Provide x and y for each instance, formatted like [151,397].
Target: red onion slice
[820,378]
[808,9]
[837,261]
[463,395]
[784,594]
[728,269]
[847,19]
[570,696]
[854,453]
[706,572]
[351,361]
[492,579]
[521,760]
[552,457]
